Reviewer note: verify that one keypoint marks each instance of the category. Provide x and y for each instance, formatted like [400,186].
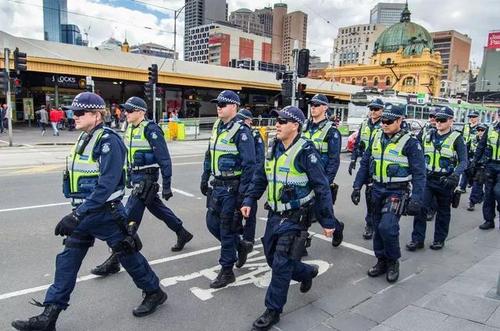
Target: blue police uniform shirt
[260,149]
[246,154]
[481,153]
[110,151]
[413,151]
[459,147]
[332,160]
[357,150]
[154,135]
[307,161]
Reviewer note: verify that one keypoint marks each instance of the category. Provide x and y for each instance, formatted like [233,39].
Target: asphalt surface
[31,204]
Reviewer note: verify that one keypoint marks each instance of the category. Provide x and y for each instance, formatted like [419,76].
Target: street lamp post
[176,14]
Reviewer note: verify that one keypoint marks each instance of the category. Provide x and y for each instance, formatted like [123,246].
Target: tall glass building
[70,34]
[386,13]
[54,15]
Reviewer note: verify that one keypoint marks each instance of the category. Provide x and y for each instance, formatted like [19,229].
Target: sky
[153,20]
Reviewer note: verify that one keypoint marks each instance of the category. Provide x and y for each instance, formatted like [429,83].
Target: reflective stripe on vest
[494,143]
[390,156]
[83,166]
[222,144]
[447,151]
[466,133]
[281,172]
[318,137]
[367,133]
[135,140]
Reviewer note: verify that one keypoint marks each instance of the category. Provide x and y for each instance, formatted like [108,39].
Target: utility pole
[295,54]
[176,14]
[7,93]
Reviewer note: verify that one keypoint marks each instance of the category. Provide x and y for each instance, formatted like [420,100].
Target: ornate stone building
[403,59]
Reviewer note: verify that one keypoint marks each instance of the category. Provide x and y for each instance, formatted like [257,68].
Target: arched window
[388,61]
[431,82]
[342,80]
[387,81]
[375,81]
[409,81]
[353,81]
[364,81]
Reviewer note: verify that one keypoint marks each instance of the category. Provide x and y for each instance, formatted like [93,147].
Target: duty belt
[114,196]
[235,181]
[147,171]
[395,186]
[152,167]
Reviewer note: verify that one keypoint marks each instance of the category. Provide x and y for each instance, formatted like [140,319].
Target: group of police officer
[402,175]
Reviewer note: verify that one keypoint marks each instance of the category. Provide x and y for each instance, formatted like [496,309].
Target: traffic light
[301,96]
[286,92]
[19,61]
[303,63]
[148,91]
[17,85]
[153,74]
[4,81]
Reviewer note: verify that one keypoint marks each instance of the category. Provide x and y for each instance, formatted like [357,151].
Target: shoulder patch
[244,136]
[106,147]
[313,158]
[419,147]
[106,135]
[154,135]
[336,135]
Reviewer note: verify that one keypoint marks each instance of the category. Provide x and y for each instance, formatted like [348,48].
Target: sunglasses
[221,104]
[130,111]
[315,104]
[432,116]
[441,120]
[481,130]
[80,112]
[387,121]
[283,121]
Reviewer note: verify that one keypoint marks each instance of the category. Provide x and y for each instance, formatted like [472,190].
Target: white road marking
[154,262]
[346,244]
[186,163]
[183,192]
[35,207]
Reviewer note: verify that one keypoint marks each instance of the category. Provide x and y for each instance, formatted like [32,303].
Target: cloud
[152,20]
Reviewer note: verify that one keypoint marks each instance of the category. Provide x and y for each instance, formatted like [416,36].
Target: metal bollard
[492,294]
[498,285]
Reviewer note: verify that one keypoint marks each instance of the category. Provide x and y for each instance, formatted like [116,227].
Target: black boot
[471,207]
[414,245]
[378,269]
[108,267]
[368,232]
[183,237]
[392,271]
[151,301]
[224,278]
[46,321]
[266,320]
[338,235]
[437,245]
[244,247]
[306,285]
[487,225]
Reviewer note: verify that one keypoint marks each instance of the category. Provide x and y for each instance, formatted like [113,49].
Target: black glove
[132,228]
[450,182]
[204,187]
[352,165]
[356,196]
[166,193]
[67,225]
[413,208]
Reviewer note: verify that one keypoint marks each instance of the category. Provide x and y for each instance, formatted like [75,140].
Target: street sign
[422,98]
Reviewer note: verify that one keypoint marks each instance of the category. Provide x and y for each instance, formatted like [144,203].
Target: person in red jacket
[54,119]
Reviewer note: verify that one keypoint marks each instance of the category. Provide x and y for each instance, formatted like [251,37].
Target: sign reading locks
[65,81]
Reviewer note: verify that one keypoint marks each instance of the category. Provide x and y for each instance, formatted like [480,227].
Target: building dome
[413,38]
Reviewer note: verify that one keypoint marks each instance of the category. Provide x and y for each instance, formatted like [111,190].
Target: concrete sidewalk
[437,290]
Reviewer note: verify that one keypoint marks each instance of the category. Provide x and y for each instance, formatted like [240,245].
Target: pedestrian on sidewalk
[44,118]
[3,116]
[54,120]
[71,121]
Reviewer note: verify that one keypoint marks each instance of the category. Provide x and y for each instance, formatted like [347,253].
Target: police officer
[430,125]
[488,150]
[446,159]
[95,179]
[147,153]
[365,136]
[248,235]
[230,159]
[469,133]
[295,178]
[477,191]
[394,158]
[328,141]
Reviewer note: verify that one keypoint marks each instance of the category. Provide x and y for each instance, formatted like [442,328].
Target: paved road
[33,205]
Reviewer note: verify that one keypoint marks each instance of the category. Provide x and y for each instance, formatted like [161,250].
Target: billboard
[493,40]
